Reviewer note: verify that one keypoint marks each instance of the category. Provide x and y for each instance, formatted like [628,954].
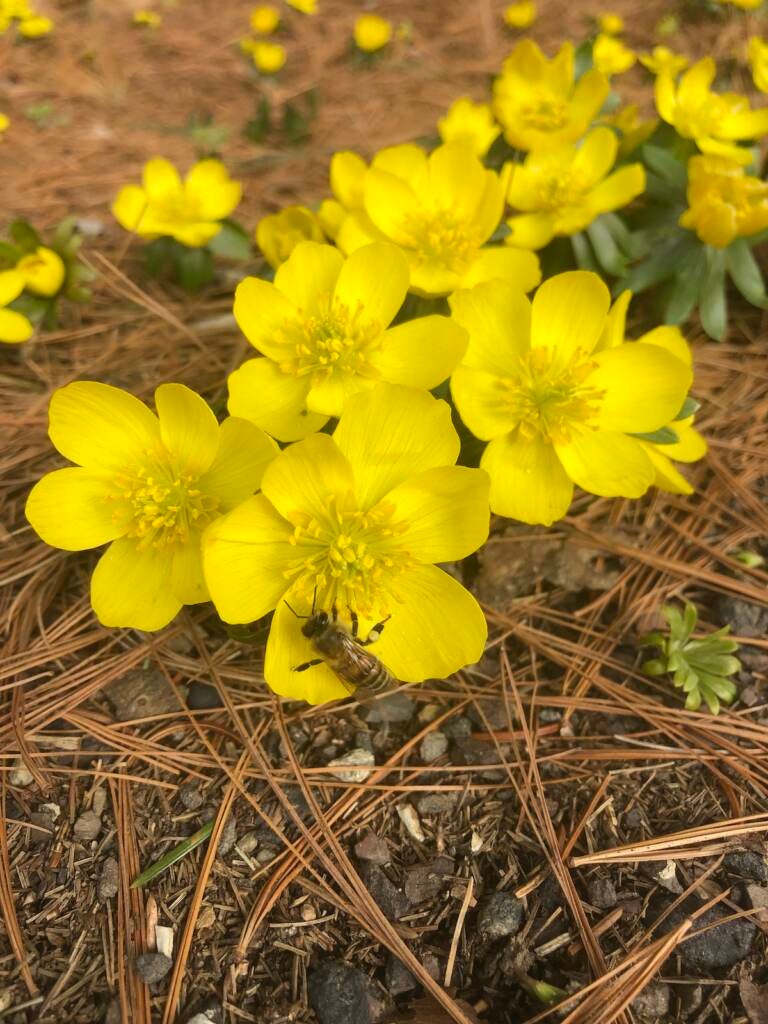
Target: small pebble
[152,967]
[228,837]
[433,746]
[266,854]
[248,843]
[358,757]
[87,826]
[500,915]
[190,796]
[410,819]
[397,707]
[109,880]
[164,940]
[601,893]
[436,803]
[373,849]
[141,693]
[20,775]
[457,728]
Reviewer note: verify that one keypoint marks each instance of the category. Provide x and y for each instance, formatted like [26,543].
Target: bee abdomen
[380,679]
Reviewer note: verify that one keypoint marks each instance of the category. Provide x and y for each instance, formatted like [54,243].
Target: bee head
[315,624]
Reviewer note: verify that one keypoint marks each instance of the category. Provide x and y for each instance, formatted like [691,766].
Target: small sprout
[749,558]
[699,667]
[541,990]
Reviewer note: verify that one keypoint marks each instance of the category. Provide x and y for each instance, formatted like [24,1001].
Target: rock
[433,746]
[745,617]
[500,915]
[747,864]
[228,836]
[758,897]
[476,752]
[652,1004]
[266,854]
[152,967]
[667,878]
[20,776]
[190,796]
[141,693]
[374,849]
[44,819]
[397,977]
[202,697]
[114,1015]
[755,1001]
[426,881]
[364,759]
[247,844]
[109,879]
[340,994]
[407,814]
[722,946]
[87,826]
[393,902]
[436,803]
[457,728]
[601,893]
[431,965]
[494,714]
[396,707]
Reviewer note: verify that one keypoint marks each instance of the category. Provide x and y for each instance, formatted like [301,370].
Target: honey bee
[344,651]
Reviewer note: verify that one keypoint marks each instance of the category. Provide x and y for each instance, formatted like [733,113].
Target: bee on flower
[14,326]
[724,203]
[471,124]
[371,33]
[352,524]
[278,234]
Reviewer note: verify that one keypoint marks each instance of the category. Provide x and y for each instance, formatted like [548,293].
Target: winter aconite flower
[356,522]
[471,124]
[268,58]
[758,61]
[148,486]
[715,121]
[323,329]
[372,33]
[190,211]
[35,27]
[745,5]
[264,19]
[557,409]
[278,234]
[611,56]
[663,61]
[14,328]
[539,102]
[43,271]
[304,6]
[633,130]
[440,210]
[149,19]
[724,202]
[560,192]
[521,14]
[610,23]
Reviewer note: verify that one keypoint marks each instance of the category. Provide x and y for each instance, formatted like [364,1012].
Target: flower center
[440,237]
[558,187]
[336,338]
[545,114]
[176,208]
[702,119]
[353,557]
[160,508]
[552,400]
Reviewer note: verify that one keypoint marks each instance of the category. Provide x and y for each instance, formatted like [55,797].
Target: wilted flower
[268,58]
[663,61]
[146,485]
[264,19]
[556,407]
[610,23]
[372,33]
[538,101]
[14,328]
[724,202]
[278,234]
[151,19]
[35,27]
[520,15]
[471,124]
[43,271]
[758,61]
[323,328]
[611,56]
[563,190]
[190,211]
[355,523]
[633,131]
[714,120]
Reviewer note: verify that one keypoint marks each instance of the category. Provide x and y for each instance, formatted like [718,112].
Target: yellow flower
[538,102]
[149,18]
[323,328]
[347,175]
[268,57]
[663,61]
[146,485]
[633,132]
[189,211]
[520,15]
[724,203]
[714,120]
[470,123]
[440,209]
[372,33]
[758,61]
[265,19]
[304,6]
[5,123]
[562,191]
[43,271]
[278,234]
[610,23]
[611,56]
[35,27]
[557,409]
[745,5]
[14,328]
[355,523]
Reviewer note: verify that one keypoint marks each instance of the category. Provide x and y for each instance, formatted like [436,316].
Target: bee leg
[375,632]
[355,622]
[308,664]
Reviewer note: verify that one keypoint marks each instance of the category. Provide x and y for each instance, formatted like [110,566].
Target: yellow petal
[531,230]
[406,161]
[596,155]
[329,396]
[665,96]
[215,194]
[261,311]
[11,286]
[309,275]
[374,280]
[690,446]
[497,316]
[43,271]
[188,428]
[446,512]
[390,434]
[644,387]
[669,338]
[187,581]
[287,648]
[391,204]
[131,588]
[69,509]
[347,173]
[306,476]
[668,477]
[420,353]
[243,454]
[274,401]
[130,207]
[695,82]
[160,179]
[515,265]
[569,312]
[101,427]
[457,178]
[615,326]
[14,327]
[528,481]
[588,97]
[611,465]
[483,403]
[618,189]
[431,278]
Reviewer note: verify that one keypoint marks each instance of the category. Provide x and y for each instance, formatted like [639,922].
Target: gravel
[500,916]
[152,967]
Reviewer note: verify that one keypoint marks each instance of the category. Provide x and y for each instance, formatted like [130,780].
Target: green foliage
[699,667]
[191,268]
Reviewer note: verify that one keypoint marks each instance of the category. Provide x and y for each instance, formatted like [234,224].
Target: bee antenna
[296,613]
[314,598]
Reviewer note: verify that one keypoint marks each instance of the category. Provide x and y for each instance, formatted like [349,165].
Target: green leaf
[583,253]
[9,255]
[175,854]
[654,667]
[664,435]
[689,407]
[713,309]
[712,702]
[745,273]
[296,123]
[605,248]
[690,618]
[25,236]
[685,290]
[232,242]
[194,268]
[257,128]
[664,263]
[667,166]
[693,701]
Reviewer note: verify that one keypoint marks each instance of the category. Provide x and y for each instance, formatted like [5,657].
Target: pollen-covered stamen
[545,114]
[440,237]
[553,400]
[335,338]
[355,556]
[559,186]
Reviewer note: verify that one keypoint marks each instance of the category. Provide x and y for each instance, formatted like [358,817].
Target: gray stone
[374,849]
[397,977]
[152,967]
[212,1016]
[190,796]
[722,946]
[457,728]
[141,693]
[202,697]
[44,818]
[494,714]
[433,746]
[87,826]
[500,915]
[340,994]
[396,707]
[109,879]
[228,836]
[393,902]
[747,864]
[601,893]
[354,766]
[652,1004]
[745,617]
[426,881]
[436,803]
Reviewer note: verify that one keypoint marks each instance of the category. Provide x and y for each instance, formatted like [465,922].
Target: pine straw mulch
[565,767]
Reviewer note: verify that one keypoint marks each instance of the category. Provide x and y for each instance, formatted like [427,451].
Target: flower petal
[644,387]
[287,648]
[309,275]
[690,447]
[497,316]
[261,311]
[131,587]
[100,427]
[446,512]
[483,403]
[528,481]
[328,397]
[569,312]
[11,286]
[618,189]
[245,556]
[671,339]
[160,179]
[187,581]
[214,192]
[616,324]
[390,434]
[374,280]
[129,207]
[668,478]
[457,180]
[244,453]
[14,327]
[611,465]
[596,155]
[406,161]
[518,266]
[421,353]
[305,476]
[531,230]
[274,401]
[347,173]
[69,509]
[188,428]
[391,204]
